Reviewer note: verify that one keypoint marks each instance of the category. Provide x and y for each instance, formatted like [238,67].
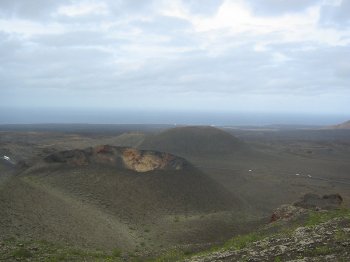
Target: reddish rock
[130,158]
[308,201]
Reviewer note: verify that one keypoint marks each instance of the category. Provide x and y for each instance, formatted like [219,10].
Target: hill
[129,139]
[345,125]
[111,197]
[312,229]
[193,140]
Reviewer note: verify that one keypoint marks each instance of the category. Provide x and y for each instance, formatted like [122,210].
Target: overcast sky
[212,55]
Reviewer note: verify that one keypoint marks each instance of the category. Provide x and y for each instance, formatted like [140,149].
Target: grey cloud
[34,9]
[203,7]
[178,32]
[336,15]
[47,67]
[77,38]
[8,46]
[163,24]
[125,8]
[317,70]
[343,70]
[142,55]
[279,7]
[238,70]
[199,73]
[149,8]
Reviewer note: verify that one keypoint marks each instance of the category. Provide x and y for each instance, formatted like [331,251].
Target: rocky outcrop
[311,229]
[328,241]
[345,125]
[307,202]
[129,158]
[143,161]
[313,201]
[286,212]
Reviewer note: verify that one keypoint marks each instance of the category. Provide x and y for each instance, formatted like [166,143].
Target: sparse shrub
[187,252]
[278,259]
[76,252]
[116,253]
[22,253]
[340,235]
[321,251]
[316,218]
[171,256]
[60,257]
[242,241]
[9,239]
[137,259]
[324,250]
[176,219]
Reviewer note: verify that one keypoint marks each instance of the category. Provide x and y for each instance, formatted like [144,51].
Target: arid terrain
[123,192]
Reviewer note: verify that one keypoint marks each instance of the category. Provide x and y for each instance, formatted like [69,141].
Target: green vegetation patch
[241,241]
[12,250]
[316,217]
[340,235]
[171,256]
[21,253]
[278,259]
[321,251]
[116,253]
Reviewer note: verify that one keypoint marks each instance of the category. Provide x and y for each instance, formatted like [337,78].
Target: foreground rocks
[329,241]
[312,229]
[129,158]
[307,202]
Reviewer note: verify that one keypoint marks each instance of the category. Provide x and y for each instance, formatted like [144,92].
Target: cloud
[36,9]
[280,7]
[171,54]
[336,15]
[204,7]
[83,9]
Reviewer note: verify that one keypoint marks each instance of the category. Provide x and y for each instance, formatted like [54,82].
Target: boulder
[313,201]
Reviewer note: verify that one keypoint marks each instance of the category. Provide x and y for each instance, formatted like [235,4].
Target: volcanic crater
[125,157]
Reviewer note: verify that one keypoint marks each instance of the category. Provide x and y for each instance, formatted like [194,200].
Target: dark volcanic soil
[111,197]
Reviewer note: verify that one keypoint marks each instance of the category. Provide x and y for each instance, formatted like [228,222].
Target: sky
[247,56]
